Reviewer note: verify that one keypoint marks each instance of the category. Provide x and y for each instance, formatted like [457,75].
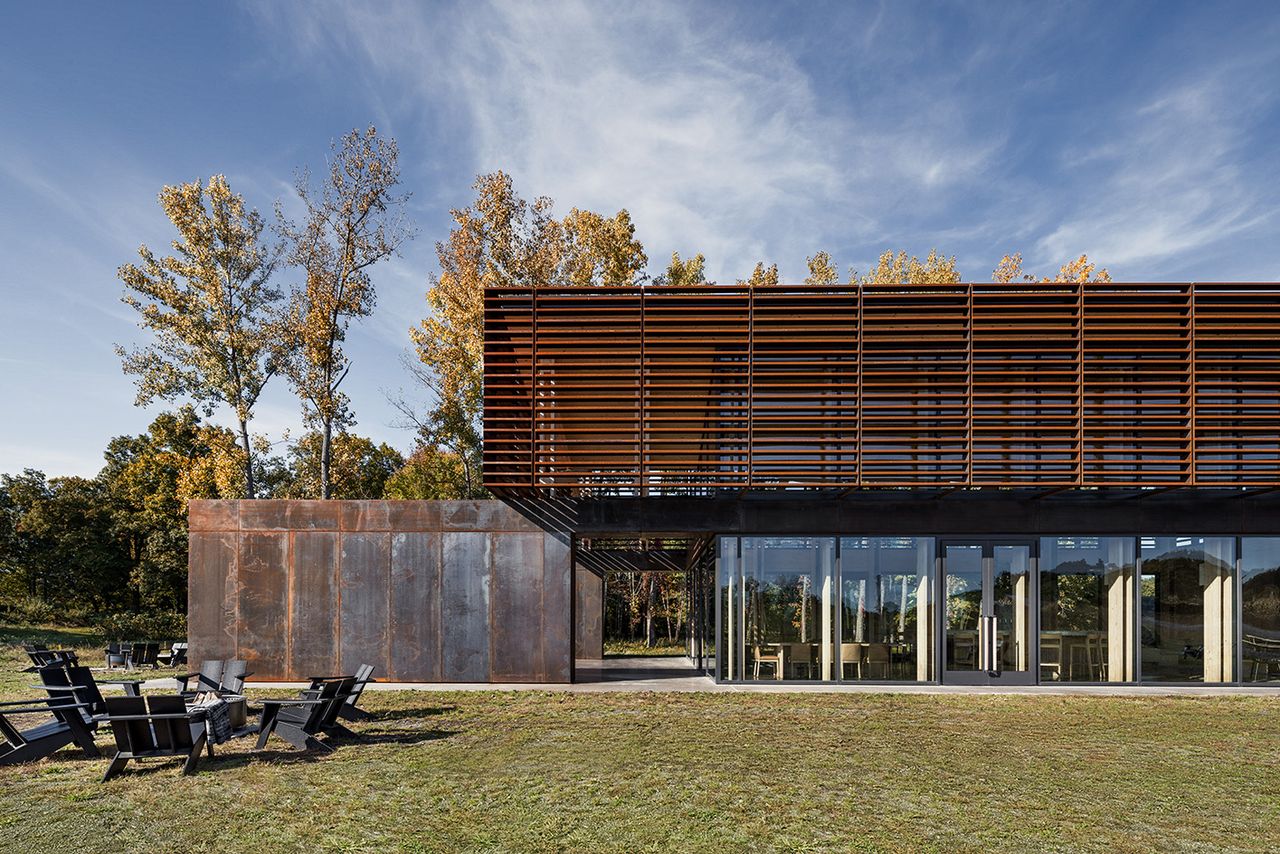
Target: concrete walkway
[677,674]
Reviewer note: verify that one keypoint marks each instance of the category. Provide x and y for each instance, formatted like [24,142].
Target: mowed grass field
[551,771]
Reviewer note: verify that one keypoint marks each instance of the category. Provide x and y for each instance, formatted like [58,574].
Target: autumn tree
[681,273]
[500,239]
[1079,270]
[900,269]
[762,276]
[208,306]
[353,221]
[359,467]
[822,270]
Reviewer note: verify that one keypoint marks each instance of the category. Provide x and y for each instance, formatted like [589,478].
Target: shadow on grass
[404,737]
[382,715]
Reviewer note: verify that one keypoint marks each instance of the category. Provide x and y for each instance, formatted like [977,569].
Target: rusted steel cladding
[651,391]
[467,591]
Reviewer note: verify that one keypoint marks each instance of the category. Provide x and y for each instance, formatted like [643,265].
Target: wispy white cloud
[1170,179]
[715,142]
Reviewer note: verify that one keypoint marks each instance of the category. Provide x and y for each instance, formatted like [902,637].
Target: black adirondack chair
[208,678]
[42,656]
[299,720]
[152,727]
[144,655]
[364,675]
[65,726]
[175,657]
[78,682]
[234,672]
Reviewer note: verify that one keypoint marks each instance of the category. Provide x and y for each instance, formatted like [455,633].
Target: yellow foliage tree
[900,269]
[822,270]
[500,239]
[761,276]
[684,273]
[209,307]
[352,222]
[1080,270]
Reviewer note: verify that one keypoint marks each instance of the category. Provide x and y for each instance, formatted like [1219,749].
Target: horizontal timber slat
[635,391]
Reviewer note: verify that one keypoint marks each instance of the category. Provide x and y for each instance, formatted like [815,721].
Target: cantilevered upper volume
[652,391]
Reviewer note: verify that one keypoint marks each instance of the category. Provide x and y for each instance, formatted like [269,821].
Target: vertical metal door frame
[1031,676]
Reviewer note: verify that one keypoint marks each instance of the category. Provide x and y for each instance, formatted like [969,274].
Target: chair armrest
[121,681]
[66,689]
[326,678]
[188,716]
[34,709]
[292,701]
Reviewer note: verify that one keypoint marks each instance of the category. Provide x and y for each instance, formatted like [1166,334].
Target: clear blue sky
[1141,133]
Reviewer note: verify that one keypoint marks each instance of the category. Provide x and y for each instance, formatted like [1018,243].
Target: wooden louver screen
[650,391]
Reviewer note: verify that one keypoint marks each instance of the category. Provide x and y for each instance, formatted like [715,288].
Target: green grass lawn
[545,771]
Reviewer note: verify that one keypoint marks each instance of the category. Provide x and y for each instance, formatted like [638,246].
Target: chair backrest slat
[210,675]
[82,678]
[342,692]
[173,734]
[233,673]
[131,736]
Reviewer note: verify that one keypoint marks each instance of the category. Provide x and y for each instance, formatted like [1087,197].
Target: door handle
[989,646]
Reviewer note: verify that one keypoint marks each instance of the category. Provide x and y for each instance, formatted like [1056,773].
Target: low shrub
[33,611]
[137,627]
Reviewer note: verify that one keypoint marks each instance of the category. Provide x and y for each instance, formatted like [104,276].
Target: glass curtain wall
[1086,609]
[886,610]
[1260,609]
[1187,589]
[788,584]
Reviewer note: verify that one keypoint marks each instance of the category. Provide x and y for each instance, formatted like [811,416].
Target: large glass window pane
[789,620]
[1011,605]
[1188,609]
[886,622]
[963,607]
[1086,609]
[1260,609]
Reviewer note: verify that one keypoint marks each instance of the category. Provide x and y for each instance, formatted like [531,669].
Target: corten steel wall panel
[464,606]
[587,417]
[365,575]
[262,639]
[515,608]
[415,607]
[588,634]
[696,390]
[313,606]
[1237,386]
[804,387]
[289,515]
[212,560]
[557,608]
[317,599]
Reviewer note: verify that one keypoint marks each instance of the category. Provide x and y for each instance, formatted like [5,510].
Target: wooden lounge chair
[27,745]
[364,675]
[151,727]
[299,720]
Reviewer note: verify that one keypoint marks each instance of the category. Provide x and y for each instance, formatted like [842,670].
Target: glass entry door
[987,614]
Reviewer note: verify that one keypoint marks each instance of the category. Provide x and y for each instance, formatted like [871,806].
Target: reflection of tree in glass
[963,604]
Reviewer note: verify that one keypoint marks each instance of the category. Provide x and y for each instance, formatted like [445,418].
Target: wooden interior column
[1120,604]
